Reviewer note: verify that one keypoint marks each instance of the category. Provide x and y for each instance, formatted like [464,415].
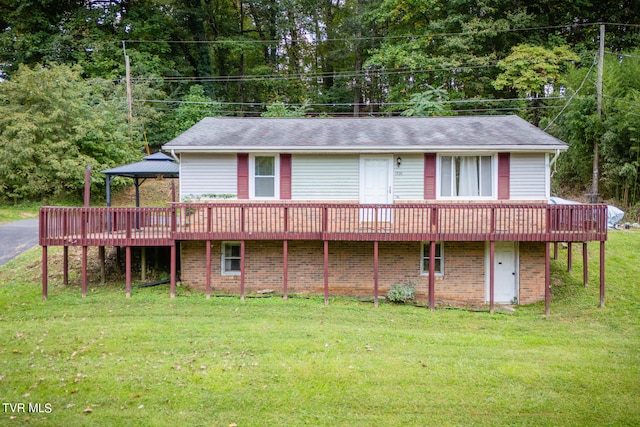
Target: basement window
[231,258]
[424,259]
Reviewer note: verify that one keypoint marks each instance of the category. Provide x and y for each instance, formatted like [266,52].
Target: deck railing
[159,226]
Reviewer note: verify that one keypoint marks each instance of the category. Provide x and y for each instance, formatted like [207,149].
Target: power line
[373,38]
[346,104]
[571,98]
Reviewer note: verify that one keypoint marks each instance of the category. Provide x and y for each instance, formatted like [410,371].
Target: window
[264,171]
[424,260]
[466,176]
[231,258]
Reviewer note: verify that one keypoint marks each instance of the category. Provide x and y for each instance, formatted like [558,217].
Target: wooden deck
[163,226]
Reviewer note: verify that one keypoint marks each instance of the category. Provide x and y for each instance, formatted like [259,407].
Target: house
[457,205]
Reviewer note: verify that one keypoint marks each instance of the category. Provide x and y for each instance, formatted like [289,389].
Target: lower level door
[505,271]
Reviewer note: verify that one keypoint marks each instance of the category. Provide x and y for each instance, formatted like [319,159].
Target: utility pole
[128,80]
[594,190]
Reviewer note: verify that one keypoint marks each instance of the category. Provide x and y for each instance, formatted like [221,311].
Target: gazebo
[156,165]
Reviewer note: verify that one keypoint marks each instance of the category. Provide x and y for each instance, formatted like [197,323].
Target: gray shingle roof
[406,134]
[153,165]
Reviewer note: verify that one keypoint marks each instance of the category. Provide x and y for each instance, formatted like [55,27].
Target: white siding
[202,174]
[529,179]
[408,179]
[325,177]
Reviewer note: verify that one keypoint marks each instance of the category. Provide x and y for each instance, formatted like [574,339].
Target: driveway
[17,237]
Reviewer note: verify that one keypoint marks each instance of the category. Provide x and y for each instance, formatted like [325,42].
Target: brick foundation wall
[351,269]
[531,272]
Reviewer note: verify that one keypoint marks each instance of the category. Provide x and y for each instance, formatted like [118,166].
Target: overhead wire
[571,97]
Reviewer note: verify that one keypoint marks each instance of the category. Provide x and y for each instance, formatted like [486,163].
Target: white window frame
[252,176]
[223,258]
[424,255]
[494,176]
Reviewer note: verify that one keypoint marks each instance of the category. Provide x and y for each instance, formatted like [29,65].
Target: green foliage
[280,109]
[428,103]
[529,68]
[52,125]
[401,294]
[196,106]
[616,132]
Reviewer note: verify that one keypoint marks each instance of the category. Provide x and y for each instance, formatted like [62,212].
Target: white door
[376,186]
[506,273]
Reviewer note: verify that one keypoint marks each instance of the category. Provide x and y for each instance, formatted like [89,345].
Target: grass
[16,212]
[153,361]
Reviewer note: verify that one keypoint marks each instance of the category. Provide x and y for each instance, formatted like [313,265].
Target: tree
[52,125]
[528,69]
[617,131]
[279,109]
[194,108]
[428,103]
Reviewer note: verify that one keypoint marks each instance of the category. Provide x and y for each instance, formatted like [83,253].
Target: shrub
[400,294]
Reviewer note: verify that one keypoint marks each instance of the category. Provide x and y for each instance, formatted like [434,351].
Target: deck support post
[45,273]
[172,271]
[432,275]
[103,267]
[326,272]
[602,273]
[65,265]
[242,268]
[285,269]
[84,271]
[569,257]
[376,267]
[585,264]
[555,251]
[492,276]
[127,268]
[207,245]
[547,278]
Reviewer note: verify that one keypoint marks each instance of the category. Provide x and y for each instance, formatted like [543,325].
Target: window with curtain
[466,176]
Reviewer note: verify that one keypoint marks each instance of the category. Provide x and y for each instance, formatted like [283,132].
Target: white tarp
[614,215]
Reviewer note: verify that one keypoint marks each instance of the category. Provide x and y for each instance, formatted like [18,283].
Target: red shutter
[285,176]
[504,173]
[430,176]
[243,176]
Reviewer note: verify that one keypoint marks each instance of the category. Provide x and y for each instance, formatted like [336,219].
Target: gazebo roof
[157,164]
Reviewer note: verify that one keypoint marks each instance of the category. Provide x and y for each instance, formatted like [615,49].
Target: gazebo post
[108,196]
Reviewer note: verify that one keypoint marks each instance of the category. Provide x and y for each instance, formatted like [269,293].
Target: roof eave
[367,149]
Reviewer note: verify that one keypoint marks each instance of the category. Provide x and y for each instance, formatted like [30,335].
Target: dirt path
[17,237]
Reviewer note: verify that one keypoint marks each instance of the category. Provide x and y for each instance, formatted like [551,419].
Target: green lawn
[153,361]
[17,212]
